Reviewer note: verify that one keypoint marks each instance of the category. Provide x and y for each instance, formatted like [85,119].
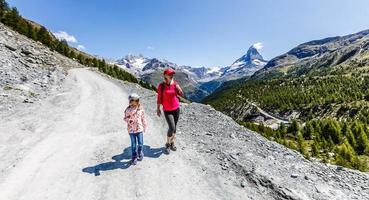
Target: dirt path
[279,120]
[75,146]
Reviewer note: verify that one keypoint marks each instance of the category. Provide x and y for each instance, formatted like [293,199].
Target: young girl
[134,115]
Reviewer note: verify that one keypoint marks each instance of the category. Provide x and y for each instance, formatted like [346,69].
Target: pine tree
[362,143]
[31,31]
[22,26]
[332,130]
[345,155]
[315,149]
[301,144]
[95,63]
[11,18]
[308,131]
[81,59]
[294,127]
[330,144]
[351,138]
[44,36]
[282,129]
[4,6]
[72,54]
[62,47]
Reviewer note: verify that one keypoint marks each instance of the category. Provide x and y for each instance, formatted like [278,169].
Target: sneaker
[173,147]
[134,161]
[140,156]
[167,148]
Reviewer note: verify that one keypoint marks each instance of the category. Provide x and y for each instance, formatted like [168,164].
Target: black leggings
[172,119]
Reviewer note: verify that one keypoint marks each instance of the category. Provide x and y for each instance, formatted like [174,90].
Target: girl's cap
[134,96]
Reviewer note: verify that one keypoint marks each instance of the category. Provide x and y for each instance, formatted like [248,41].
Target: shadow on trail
[122,161]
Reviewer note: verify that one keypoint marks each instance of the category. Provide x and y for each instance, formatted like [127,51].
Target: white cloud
[62,35]
[150,48]
[81,47]
[258,45]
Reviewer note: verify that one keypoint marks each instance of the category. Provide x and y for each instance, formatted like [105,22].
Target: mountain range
[197,82]
[320,57]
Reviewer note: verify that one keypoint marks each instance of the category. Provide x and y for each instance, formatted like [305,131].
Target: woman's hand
[158,112]
[179,91]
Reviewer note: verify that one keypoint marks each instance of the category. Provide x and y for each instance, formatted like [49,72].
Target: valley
[322,82]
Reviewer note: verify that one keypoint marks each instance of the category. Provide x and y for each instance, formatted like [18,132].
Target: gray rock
[10,47]
[243,183]
[235,157]
[294,175]
[27,101]
[30,60]
[26,51]
[209,134]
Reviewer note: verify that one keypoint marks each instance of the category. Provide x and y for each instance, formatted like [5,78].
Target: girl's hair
[138,105]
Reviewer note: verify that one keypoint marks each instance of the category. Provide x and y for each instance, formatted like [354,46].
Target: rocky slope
[265,169]
[29,71]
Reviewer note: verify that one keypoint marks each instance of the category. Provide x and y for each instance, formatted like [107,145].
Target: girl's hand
[158,112]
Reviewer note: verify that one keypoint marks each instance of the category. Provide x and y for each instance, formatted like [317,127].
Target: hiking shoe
[167,148]
[140,156]
[134,161]
[173,147]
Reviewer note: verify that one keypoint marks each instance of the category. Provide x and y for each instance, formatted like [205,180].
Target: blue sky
[195,32]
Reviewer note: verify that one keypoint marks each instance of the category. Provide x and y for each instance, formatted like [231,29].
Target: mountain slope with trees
[314,82]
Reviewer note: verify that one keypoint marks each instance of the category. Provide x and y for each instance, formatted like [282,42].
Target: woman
[168,92]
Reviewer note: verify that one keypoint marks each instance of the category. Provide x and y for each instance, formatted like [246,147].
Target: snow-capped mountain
[133,63]
[140,65]
[247,65]
[203,74]
[151,69]
[197,82]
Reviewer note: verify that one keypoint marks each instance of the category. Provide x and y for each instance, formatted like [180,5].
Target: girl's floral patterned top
[135,118]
